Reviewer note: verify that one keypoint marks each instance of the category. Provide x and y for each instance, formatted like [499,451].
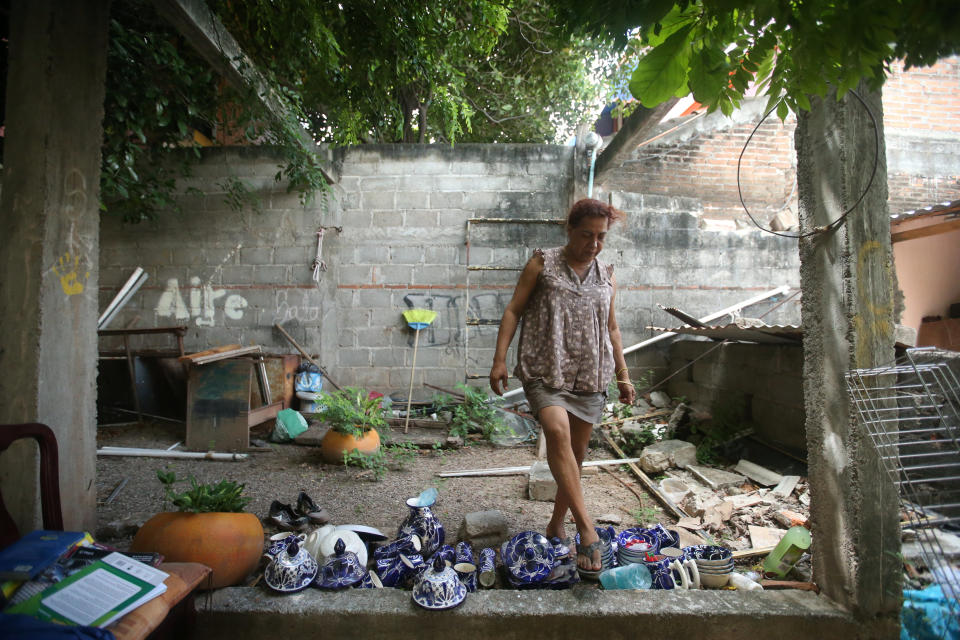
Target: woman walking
[569,349]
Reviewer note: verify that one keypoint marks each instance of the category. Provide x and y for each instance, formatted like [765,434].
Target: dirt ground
[350,495]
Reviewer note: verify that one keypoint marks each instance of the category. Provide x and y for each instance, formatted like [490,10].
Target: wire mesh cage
[911,409]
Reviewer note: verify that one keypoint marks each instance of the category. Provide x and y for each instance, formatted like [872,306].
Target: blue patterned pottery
[439,587]
[465,553]
[291,570]
[421,521]
[407,545]
[448,553]
[395,570]
[487,569]
[369,581]
[342,570]
[563,575]
[279,542]
[467,572]
[560,549]
[528,557]
[665,537]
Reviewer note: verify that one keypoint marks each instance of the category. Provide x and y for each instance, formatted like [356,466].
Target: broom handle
[413,368]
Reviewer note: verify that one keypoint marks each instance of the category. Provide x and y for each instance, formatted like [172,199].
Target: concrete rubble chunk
[482,525]
[659,399]
[716,479]
[689,523]
[786,486]
[609,518]
[662,455]
[744,500]
[541,485]
[763,537]
[679,417]
[758,474]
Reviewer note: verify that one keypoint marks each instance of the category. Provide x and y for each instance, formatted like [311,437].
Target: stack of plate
[714,563]
[634,545]
[608,556]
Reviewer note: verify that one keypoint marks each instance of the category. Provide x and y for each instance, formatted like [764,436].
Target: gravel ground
[350,495]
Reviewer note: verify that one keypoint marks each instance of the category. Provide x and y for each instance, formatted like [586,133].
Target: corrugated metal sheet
[747,330]
[948,209]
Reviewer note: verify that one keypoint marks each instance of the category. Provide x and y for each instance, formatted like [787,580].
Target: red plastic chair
[49,478]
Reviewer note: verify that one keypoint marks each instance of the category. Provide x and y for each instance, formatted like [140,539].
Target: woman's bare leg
[563,464]
[579,440]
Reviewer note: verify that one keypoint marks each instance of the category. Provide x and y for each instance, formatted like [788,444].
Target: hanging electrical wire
[838,221]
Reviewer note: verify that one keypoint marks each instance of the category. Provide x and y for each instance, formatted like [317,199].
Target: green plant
[402,453]
[475,413]
[224,496]
[643,515]
[375,462]
[352,411]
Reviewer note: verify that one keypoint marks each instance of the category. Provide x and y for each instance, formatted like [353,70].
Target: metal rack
[469,321]
[911,410]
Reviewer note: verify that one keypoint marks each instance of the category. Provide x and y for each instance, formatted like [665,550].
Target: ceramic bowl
[708,554]
[712,581]
[714,570]
[351,540]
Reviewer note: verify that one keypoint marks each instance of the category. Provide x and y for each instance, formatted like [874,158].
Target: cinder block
[356,274]
[481,199]
[384,219]
[412,200]
[427,220]
[378,184]
[433,275]
[256,255]
[357,357]
[407,254]
[444,255]
[540,484]
[373,200]
[269,274]
[371,254]
[394,274]
[294,255]
[370,299]
[446,199]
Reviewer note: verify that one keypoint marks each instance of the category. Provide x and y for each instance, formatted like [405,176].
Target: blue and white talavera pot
[422,522]
[528,556]
[439,587]
[342,570]
[291,570]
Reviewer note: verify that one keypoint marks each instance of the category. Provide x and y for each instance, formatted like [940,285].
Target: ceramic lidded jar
[291,570]
[422,522]
[342,570]
[439,587]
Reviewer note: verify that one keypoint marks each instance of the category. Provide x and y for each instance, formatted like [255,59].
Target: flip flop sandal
[587,551]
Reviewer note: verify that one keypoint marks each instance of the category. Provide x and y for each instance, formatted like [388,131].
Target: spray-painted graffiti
[72,275]
[288,307]
[202,297]
[488,306]
[444,331]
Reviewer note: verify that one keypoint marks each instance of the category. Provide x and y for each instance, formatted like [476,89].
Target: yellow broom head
[419,318]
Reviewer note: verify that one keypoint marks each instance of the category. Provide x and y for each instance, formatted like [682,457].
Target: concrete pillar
[48,249]
[848,283]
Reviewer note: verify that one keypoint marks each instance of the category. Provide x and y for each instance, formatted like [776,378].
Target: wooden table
[170,615]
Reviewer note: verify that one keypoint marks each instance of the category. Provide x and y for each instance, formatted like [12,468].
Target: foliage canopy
[715,49]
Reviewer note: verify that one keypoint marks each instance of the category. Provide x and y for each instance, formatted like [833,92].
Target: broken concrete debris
[758,474]
[665,454]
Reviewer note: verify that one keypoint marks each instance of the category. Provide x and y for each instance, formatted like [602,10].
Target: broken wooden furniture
[219,397]
[49,478]
[173,613]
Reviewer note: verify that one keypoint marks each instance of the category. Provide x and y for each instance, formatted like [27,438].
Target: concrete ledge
[504,615]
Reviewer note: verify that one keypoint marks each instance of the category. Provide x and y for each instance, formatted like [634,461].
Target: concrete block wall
[402,211]
[763,381]
[698,158]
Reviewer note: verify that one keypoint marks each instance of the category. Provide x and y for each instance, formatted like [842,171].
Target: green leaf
[782,110]
[663,71]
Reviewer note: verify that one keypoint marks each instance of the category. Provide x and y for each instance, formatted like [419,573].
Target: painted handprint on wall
[69,271]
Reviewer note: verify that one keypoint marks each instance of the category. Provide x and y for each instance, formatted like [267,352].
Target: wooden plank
[789,584]
[923,232]
[752,553]
[218,397]
[262,414]
[493,471]
[635,129]
[198,360]
[651,414]
[190,357]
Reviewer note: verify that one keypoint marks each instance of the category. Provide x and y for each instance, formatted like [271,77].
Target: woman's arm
[624,386]
[510,320]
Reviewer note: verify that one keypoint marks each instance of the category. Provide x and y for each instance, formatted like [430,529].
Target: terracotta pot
[229,543]
[333,444]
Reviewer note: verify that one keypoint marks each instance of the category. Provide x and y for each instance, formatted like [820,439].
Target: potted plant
[210,528]
[354,417]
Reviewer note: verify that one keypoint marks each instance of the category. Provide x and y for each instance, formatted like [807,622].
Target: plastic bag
[288,426]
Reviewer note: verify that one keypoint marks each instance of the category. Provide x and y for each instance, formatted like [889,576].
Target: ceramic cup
[407,545]
[467,572]
[487,569]
[394,571]
[369,581]
[465,552]
[631,576]
[668,573]
[279,543]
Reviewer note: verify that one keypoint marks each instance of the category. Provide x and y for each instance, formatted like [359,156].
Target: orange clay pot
[229,543]
[333,444]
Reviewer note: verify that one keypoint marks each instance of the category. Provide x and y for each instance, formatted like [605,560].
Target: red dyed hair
[590,208]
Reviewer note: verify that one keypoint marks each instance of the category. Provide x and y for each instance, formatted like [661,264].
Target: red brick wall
[920,106]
